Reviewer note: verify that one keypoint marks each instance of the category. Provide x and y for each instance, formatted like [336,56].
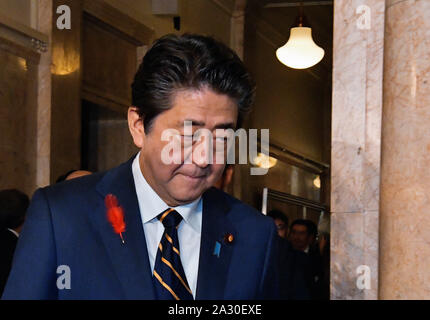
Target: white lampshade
[300,52]
[264,161]
[317,182]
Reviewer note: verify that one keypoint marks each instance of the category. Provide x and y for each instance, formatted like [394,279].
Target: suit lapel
[130,260]
[213,268]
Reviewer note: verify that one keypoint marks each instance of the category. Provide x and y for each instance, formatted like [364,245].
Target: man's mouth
[194,177]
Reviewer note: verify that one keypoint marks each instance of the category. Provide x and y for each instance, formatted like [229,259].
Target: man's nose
[200,159]
[202,154]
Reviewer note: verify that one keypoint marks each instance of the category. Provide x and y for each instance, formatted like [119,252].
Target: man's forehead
[211,122]
[202,99]
[202,108]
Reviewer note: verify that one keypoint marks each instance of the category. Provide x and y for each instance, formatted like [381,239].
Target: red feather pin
[115,215]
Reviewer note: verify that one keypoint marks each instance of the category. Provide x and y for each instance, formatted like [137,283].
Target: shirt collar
[151,205]
[14,232]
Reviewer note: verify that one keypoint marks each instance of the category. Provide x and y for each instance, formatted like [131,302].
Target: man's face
[182,183]
[299,237]
[281,227]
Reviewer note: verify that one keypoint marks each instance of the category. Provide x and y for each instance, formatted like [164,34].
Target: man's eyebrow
[194,122]
[228,125]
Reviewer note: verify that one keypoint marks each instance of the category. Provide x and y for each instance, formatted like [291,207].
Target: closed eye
[221,139]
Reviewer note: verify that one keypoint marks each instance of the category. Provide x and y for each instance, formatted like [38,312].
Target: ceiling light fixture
[264,161]
[300,51]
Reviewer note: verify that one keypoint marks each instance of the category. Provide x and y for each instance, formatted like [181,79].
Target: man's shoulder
[240,212]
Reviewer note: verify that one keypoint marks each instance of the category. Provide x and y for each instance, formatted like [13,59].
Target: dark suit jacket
[66,225]
[294,273]
[315,275]
[7,247]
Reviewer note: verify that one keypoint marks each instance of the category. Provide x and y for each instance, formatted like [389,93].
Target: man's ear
[135,125]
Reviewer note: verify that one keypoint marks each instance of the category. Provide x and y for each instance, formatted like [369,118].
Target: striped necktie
[169,276]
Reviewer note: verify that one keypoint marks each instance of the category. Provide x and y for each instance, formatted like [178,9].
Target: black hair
[189,61]
[311,227]
[277,214]
[64,176]
[13,206]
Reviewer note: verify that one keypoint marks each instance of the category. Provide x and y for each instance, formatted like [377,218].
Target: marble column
[405,173]
[21,53]
[356,136]
[43,136]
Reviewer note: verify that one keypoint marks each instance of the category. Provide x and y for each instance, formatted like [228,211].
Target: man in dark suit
[170,235]
[302,236]
[294,263]
[13,205]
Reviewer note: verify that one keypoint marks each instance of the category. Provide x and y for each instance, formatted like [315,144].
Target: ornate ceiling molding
[22,35]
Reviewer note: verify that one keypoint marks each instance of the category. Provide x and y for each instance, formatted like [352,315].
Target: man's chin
[187,195]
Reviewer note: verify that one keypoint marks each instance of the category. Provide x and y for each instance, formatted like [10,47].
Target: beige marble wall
[18,92]
[24,95]
[356,132]
[43,135]
[405,197]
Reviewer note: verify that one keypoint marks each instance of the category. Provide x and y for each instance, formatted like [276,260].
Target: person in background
[324,247]
[72,174]
[303,234]
[293,262]
[13,206]
[281,221]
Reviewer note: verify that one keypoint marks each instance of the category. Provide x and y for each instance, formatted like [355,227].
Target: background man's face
[281,227]
[182,183]
[299,237]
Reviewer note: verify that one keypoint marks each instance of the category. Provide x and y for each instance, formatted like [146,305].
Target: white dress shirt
[189,231]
